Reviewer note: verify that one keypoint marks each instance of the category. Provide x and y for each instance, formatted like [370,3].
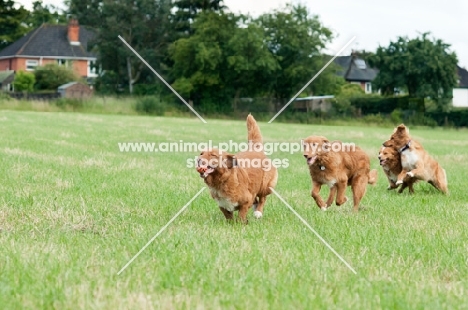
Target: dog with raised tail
[239,181]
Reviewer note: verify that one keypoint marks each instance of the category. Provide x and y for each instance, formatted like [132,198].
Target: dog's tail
[372,176]
[253,131]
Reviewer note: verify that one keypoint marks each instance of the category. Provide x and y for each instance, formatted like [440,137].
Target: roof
[50,41]
[354,68]
[463,77]
[314,98]
[67,85]
[5,75]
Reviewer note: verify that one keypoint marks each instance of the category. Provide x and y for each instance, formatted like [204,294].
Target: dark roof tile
[463,77]
[351,72]
[50,41]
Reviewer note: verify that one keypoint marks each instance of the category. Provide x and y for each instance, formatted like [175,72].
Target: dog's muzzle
[204,171]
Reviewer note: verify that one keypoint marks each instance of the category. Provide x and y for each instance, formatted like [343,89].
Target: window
[368,88]
[92,68]
[62,62]
[360,63]
[31,65]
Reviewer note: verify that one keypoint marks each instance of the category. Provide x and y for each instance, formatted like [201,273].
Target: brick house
[355,70]
[65,45]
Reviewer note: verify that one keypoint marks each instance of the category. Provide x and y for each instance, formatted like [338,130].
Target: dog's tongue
[311,160]
[208,171]
[382,162]
[204,172]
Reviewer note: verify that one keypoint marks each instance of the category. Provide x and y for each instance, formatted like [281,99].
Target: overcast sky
[373,22]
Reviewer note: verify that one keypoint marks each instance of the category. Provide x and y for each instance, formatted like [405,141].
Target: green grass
[74,210]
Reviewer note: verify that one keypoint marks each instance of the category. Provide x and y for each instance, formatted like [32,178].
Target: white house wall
[460,97]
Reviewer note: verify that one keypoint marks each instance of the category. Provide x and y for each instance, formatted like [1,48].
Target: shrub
[63,103]
[24,81]
[151,105]
[52,76]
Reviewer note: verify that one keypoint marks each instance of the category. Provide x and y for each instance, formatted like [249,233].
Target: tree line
[211,55]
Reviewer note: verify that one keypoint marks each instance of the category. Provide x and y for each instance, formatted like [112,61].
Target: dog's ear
[231,161]
[402,127]
[325,140]
[388,143]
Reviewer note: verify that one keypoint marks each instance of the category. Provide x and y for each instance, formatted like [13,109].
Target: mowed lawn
[74,210]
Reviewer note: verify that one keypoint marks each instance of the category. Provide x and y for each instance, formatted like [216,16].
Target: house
[65,45]
[355,70]
[460,93]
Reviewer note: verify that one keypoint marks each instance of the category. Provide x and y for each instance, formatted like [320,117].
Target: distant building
[355,70]
[65,45]
[75,90]
[460,93]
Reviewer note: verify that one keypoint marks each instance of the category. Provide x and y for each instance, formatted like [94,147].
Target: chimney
[73,32]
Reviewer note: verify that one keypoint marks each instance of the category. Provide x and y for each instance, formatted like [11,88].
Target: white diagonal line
[316,233]
[315,76]
[160,231]
[160,77]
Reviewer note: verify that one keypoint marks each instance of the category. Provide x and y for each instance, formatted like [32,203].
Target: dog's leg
[331,196]
[403,186]
[401,177]
[227,214]
[341,192]
[358,187]
[440,181]
[418,172]
[391,185]
[316,195]
[243,209]
[259,209]
[411,189]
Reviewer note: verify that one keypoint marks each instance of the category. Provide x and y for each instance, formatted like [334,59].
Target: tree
[222,60]
[51,76]
[11,22]
[187,11]
[44,14]
[24,81]
[297,39]
[87,12]
[144,24]
[424,67]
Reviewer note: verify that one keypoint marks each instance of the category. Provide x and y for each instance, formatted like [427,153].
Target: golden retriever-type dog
[337,169]
[415,161]
[237,182]
[390,162]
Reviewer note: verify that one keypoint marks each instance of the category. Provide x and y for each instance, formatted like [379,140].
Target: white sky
[373,22]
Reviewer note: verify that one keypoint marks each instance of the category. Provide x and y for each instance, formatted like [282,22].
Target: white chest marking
[409,159]
[222,201]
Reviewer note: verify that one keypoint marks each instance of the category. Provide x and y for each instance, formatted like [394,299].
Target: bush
[24,81]
[151,105]
[396,116]
[51,76]
[74,104]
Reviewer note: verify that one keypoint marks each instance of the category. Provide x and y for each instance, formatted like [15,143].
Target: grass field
[74,210]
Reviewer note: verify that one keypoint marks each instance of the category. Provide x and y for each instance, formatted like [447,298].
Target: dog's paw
[399,182]
[410,174]
[258,214]
[323,208]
